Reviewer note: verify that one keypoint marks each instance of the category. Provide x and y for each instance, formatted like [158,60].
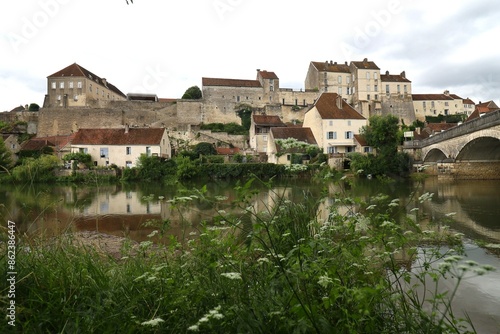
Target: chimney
[104,82]
[339,101]
[446,92]
[126,128]
[386,72]
[345,63]
[403,74]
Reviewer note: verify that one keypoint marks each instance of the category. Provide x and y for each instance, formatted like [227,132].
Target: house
[260,126]
[57,145]
[281,155]
[12,145]
[75,86]
[439,104]
[481,109]
[122,146]
[334,123]
[361,145]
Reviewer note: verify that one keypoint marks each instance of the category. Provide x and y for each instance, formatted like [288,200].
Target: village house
[121,147]
[260,127]
[482,108]
[12,145]
[75,86]
[334,123]
[56,145]
[278,154]
[440,104]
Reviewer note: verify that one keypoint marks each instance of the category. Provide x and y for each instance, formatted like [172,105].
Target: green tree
[204,149]
[383,135]
[244,111]
[192,93]
[34,107]
[5,157]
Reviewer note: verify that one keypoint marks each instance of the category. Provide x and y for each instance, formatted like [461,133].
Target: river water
[468,207]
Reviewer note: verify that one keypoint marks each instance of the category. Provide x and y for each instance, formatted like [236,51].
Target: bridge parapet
[488,120]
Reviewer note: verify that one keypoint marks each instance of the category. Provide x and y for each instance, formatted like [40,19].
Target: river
[135,210]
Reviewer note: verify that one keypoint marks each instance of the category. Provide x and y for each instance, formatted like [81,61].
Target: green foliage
[34,107]
[5,157]
[34,153]
[382,134]
[78,156]
[186,168]
[39,169]
[446,118]
[152,169]
[277,270]
[204,149]
[244,111]
[192,93]
[231,128]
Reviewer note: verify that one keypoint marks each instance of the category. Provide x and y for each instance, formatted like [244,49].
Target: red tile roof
[328,109]
[365,64]
[438,127]
[301,134]
[227,150]
[36,145]
[331,67]
[268,75]
[135,136]
[429,97]
[230,82]
[266,120]
[75,70]
[393,78]
[361,140]
[57,141]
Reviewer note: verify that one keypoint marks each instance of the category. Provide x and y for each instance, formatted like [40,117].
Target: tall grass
[278,270]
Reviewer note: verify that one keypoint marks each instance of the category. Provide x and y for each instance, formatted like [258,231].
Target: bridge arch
[480,149]
[434,155]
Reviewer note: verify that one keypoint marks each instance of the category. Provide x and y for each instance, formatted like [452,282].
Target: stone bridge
[470,150]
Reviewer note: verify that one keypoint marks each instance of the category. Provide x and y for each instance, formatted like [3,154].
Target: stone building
[440,104]
[75,86]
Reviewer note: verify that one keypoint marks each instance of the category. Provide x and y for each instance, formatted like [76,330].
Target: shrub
[36,169]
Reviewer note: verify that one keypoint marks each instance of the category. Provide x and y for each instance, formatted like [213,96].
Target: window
[148,151]
[405,89]
[128,164]
[332,149]
[71,84]
[398,89]
[387,89]
[367,149]
[368,96]
[349,149]
[288,157]
[348,79]
[339,79]
[104,152]
[54,85]
[423,103]
[446,103]
[83,150]
[79,84]
[331,135]
[339,90]
[367,88]
[128,150]
[375,88]
[264,138]
[376,97]
[348,123]
[375,75]
[348,135]
[90,87]
[432,104]
[330,123]
[368,75]
[61,85]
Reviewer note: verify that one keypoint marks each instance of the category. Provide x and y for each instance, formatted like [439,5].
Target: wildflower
[203,319]
[324,281]
[233,275]
[194,328]
[371,207]
[263,259]
[152,234]
[153,322]
[450,214]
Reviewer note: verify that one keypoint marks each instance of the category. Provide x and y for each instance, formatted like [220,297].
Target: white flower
[152,234]
[324,281]
[232,275]
[153,322]
[194,328]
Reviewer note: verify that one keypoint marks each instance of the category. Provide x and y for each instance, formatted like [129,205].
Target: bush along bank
[279,270]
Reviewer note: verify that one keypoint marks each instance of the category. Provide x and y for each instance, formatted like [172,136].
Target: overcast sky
[164,47]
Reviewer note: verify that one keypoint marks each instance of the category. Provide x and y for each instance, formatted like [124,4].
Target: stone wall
[465,170]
